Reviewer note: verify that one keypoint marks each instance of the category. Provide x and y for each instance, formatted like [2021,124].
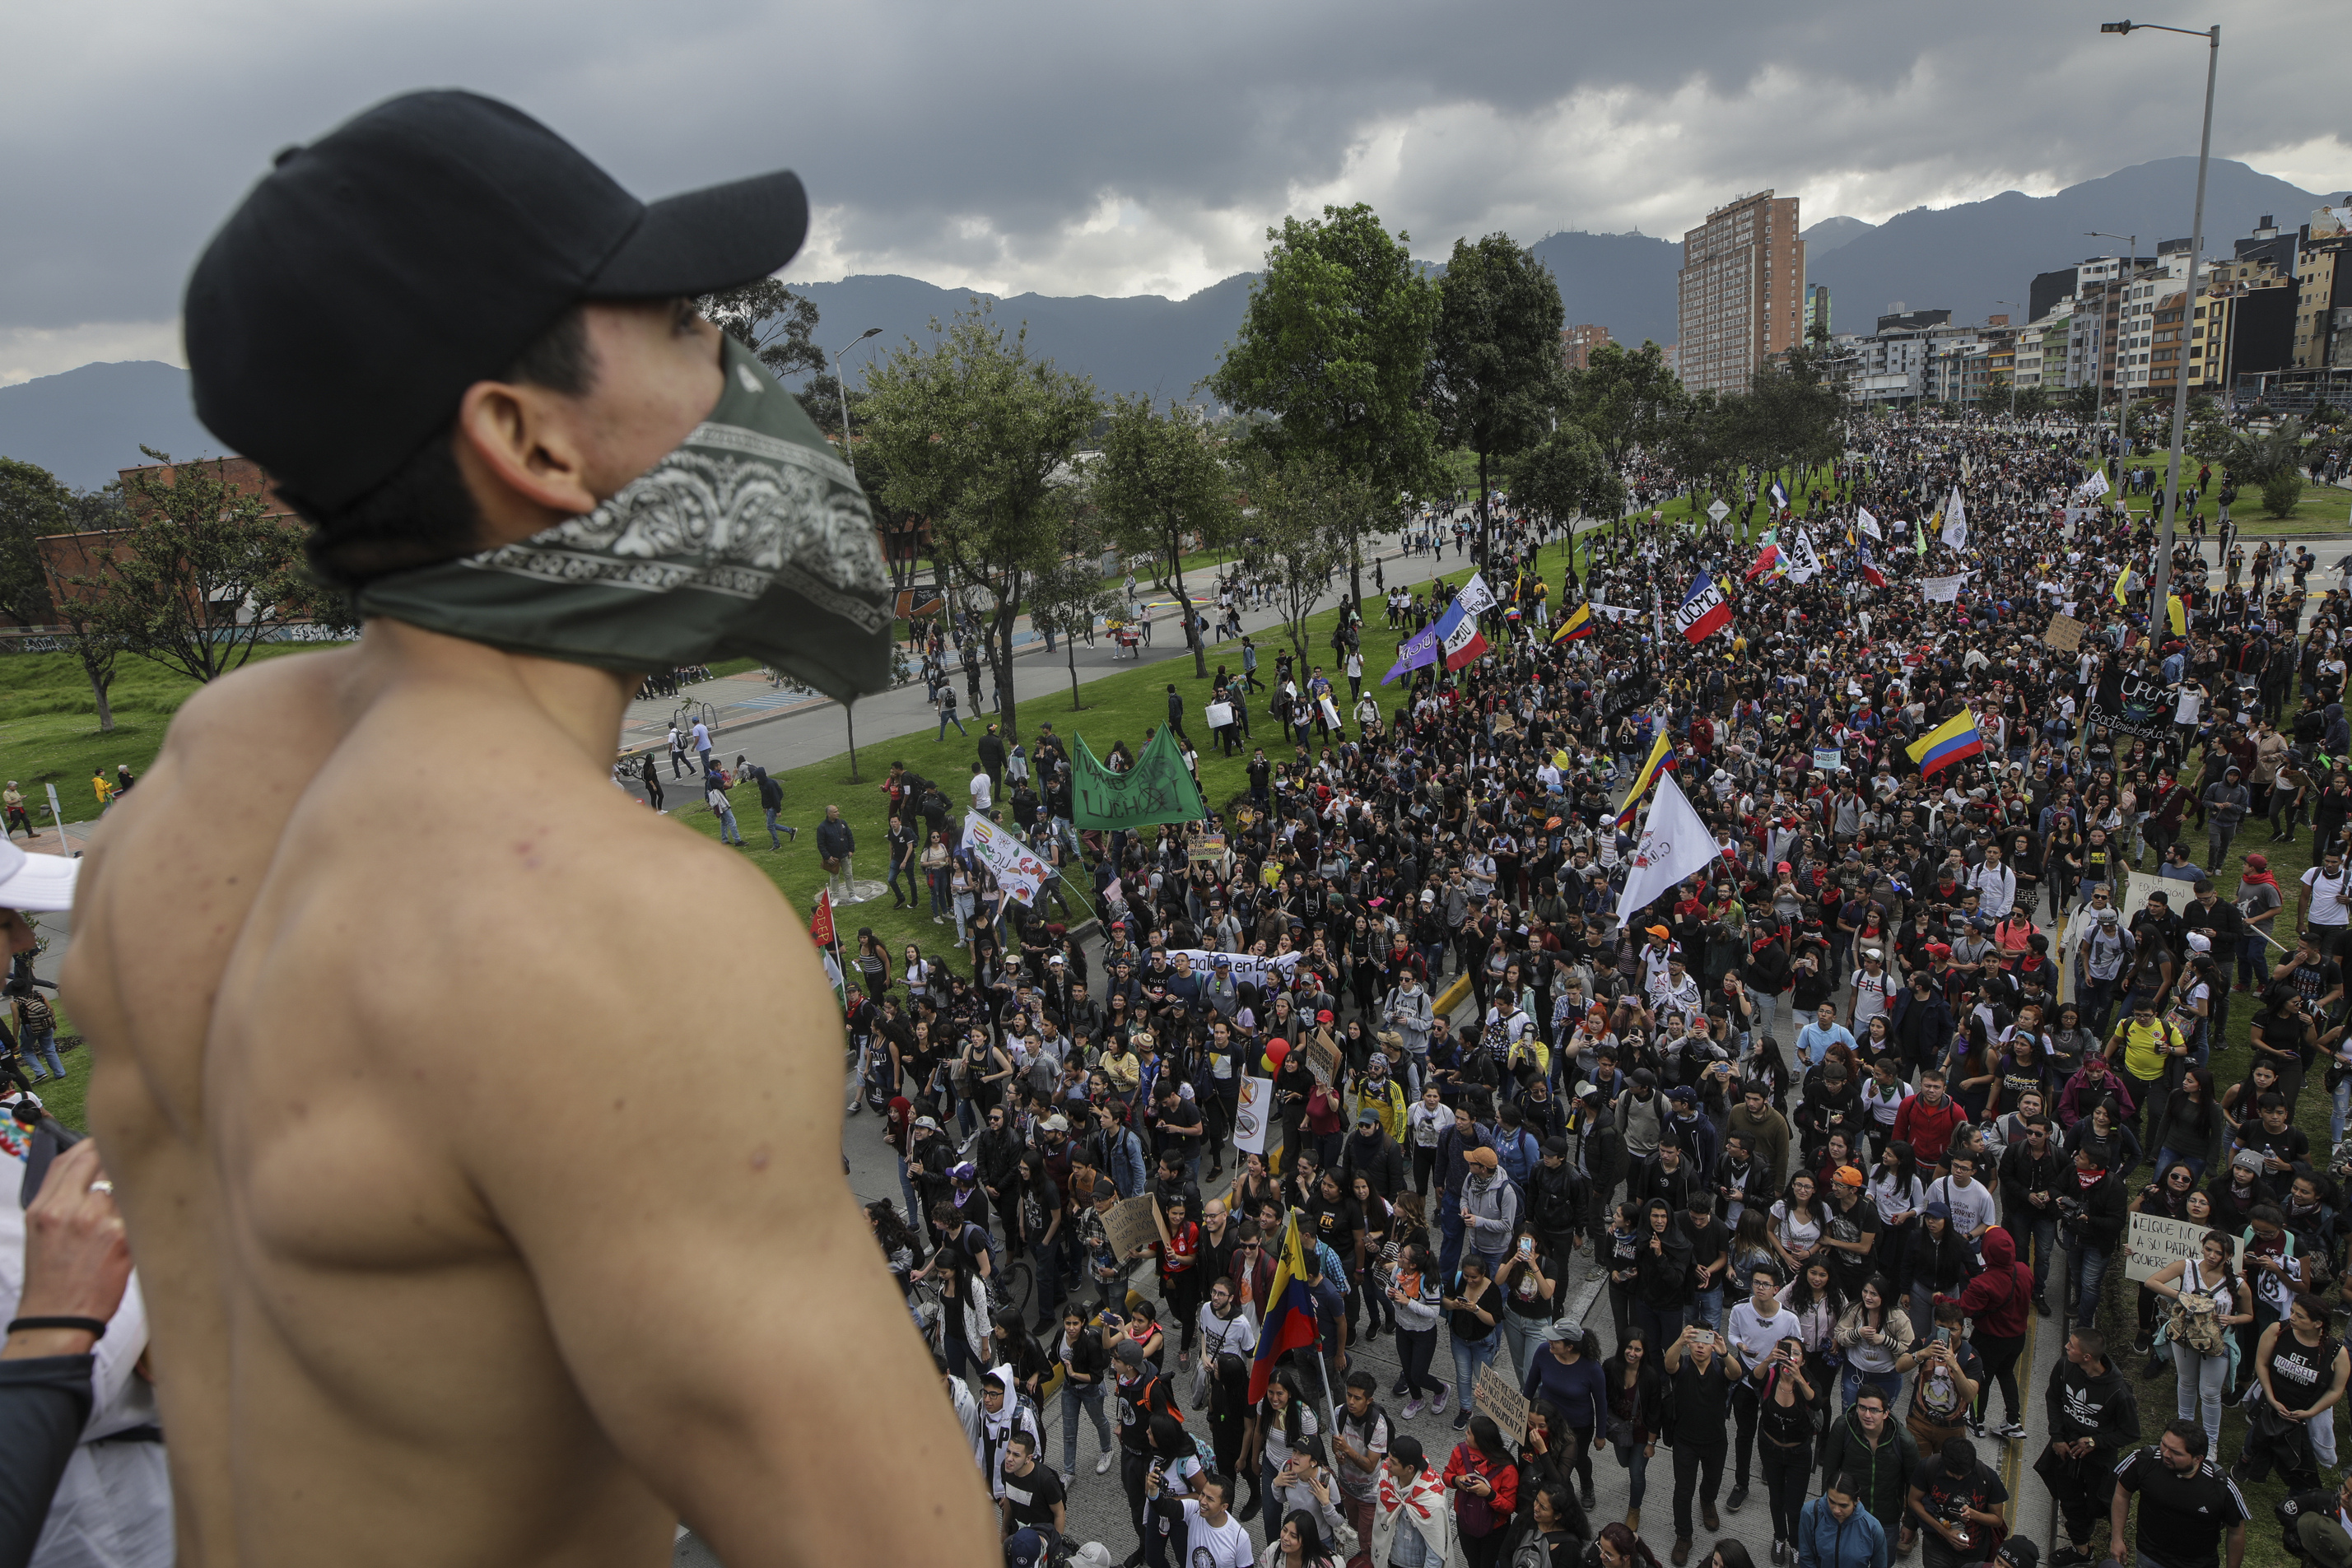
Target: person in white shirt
[1971,1201]
[1213,1538]
[1995,884]
[1223,1327]
[983,797]
[1755,1328]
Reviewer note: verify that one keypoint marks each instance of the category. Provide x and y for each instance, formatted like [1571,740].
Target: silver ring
[102,1185]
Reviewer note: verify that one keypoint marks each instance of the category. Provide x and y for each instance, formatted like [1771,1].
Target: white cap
[43,884]
[2200,943]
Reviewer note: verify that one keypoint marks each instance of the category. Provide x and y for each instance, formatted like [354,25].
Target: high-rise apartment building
[1577,343]
[1741,291]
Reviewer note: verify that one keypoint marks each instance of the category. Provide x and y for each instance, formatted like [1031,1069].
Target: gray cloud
[1105,149]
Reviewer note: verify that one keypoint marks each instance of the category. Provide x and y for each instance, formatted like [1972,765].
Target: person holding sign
[2204,1293]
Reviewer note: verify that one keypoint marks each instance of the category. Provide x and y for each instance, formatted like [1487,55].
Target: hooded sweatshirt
[1825,1541]
[1884,1470]
[2098,1405]
[2000,1298]
[1013,1415]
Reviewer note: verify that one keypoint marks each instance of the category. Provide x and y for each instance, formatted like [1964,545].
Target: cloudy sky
[1120,149]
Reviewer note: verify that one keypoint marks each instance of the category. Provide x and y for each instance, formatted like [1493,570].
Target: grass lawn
[48,722]
[1124,706]
[2324,508]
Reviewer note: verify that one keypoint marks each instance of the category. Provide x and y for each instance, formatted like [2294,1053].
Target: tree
[1303,504]
[2271,459]
[1157,481]
[972,434]
[1070,595]
[199,573]
[2032,402]
[2081,402]
[1994,397]
[1567,477]
[1791,416]
[32,503]
[1626,398]
[1495,372]
[1335,345]
[779,327]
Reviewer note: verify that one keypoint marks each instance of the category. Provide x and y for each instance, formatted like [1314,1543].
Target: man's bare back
[372,965]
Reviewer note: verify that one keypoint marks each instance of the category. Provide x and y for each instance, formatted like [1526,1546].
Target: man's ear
[521,450]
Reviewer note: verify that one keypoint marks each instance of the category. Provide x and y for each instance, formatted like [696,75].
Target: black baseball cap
[372,275]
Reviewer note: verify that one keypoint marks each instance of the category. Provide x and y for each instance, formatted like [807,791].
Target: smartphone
[1943,1335]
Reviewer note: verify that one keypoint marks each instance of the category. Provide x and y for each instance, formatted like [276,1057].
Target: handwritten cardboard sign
[2155,1241]
[1129,1224]
[1497,1396]
[2063,633]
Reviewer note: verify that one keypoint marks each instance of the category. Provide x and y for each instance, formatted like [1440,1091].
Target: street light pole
[848,719]
[2159,580]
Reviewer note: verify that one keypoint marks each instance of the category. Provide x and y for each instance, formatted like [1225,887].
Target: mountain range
[85,423]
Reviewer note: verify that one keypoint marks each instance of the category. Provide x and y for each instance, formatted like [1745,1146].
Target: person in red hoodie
[1997,1302]
[1926,1120]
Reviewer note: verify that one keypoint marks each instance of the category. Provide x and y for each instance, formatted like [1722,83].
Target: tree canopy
[1494,368]
[1159,479]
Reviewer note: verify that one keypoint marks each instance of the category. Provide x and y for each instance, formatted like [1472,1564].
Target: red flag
[821,922]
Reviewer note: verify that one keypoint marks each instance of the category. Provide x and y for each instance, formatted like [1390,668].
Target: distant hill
[1828,236]
[1966,258]
[87,422]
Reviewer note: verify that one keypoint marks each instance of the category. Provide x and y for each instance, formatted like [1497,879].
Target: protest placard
[2063,633]
[1252,1111]
[2156,1241]
[1128,1224]
[1499,1399]
[1322,1059]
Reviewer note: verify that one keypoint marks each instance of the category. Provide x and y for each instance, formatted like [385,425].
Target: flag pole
[1322,1362]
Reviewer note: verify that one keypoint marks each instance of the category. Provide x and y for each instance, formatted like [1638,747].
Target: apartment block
[1741,291]
[1577,343]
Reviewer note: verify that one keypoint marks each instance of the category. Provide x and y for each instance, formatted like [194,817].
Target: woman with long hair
[1618,1547]
[1483,1477]
[1229,1418]
[1415,1297]
[1938,1260]
[2205,1288]
[1784,1431]
[1751,1249]
[2192,1126]
[1298,1542]
[1637,1412]
[1970,1072]
[1797,1224]
[1873,1335]
[1279,1427]
[1558,1529]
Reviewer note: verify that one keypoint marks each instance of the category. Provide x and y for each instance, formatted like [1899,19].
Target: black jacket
[2101,1406]
[1884,1471]
[44,1400]
[2103,1213]
[2021,1172]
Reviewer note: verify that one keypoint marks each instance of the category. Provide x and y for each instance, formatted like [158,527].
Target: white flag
[1803,559]
[2094,486]
[1956,521]
[1475,597]
[1943,589]
[1018,870]
[1868,524]
[1676,846]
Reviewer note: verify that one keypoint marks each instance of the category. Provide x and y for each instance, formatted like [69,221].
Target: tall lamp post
[2123,400]
[848,719]
[2158,582]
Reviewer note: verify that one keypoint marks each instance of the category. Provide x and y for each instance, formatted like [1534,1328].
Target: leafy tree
[1335,345]
[1299,529]
[1791,416]
[1994,397]
[199,574]
[1625,397]
[32,503]
[2081,402]
[1495,372]
[1070,595]
[2032,402]
[1567,475]
[1157,481]
[972,434]
[779,325]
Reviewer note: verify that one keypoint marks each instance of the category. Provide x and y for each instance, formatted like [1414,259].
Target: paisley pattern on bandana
[750,538]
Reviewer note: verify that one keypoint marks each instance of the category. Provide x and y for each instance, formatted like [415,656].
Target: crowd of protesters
[1817,1125]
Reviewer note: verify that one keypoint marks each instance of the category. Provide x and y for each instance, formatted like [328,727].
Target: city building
[1741,291]
[1817,315]
[2323,313]
[1577,343]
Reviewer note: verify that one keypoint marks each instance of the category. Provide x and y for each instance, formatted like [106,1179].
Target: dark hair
[1959,1456]
[1487,1438]
[423,513]
[1310,1533]
[1406,1449]
[2094,1344]
[1364,1380]
[2191,1435]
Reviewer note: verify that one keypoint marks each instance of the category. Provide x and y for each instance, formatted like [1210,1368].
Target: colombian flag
[2123,583]
[1948,743]
[1578,623]
[1660,761]
[1290,1319]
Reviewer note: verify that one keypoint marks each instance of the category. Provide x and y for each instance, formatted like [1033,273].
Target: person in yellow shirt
[2146,1043]
[102,788]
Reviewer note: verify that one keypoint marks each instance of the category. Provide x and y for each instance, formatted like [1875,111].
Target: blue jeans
[1449,1225]
[42,1047]
[2090,1263]
[1469,1355]
[1850,1383]
[1661,1326]
[776,843]
[1708,1308]
[2041,1231]
[728,833]
[1076,1397]
[2340,1111]
[2166,1159]
[1636,1458]
[947,717]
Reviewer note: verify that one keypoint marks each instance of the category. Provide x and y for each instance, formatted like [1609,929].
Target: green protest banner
[1158,788]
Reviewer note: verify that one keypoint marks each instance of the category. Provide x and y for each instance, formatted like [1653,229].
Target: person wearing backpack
[2205,1307]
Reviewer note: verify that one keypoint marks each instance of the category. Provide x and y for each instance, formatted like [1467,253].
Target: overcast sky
[1121,150]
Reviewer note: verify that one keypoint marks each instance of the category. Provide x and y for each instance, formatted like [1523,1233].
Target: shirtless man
[438,1274]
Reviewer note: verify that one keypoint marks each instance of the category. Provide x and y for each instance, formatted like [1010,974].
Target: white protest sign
[1016,866]
[2156,1241]
[1943,589]
[1251,1113]
[1261,970]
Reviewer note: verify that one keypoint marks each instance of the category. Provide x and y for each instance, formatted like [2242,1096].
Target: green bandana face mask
[752,540]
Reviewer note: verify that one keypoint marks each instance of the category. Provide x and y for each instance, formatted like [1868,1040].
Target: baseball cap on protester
[41,884]
[336,318]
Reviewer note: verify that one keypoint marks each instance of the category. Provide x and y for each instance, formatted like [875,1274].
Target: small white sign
[1719,511]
